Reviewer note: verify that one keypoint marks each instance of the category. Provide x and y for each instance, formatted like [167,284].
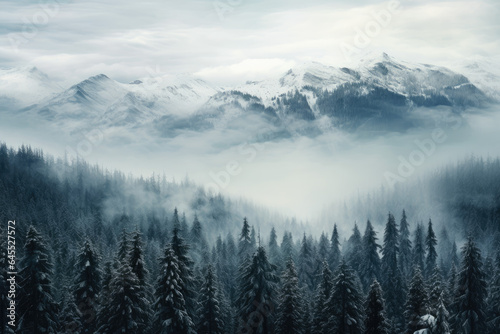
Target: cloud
[124,38]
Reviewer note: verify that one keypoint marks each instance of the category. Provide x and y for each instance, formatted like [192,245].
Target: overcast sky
[230,41]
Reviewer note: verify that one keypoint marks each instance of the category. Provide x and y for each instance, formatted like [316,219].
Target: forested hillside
[99,252]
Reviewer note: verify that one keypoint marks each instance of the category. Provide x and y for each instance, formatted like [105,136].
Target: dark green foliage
[334,253]
[375,320]
[320,315]
[354,249]
[128,310]
[37,310]
[370,266]
[419,248]
[289,313]
[471,292]
[245,246]
[405,247]
[307,265]
[430,247]
[170,314]
[185,264]
[87,286]
[210,312]
[256,301]
[417,302]
[345,304]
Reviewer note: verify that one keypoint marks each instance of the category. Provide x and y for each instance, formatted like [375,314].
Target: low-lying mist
[295,175]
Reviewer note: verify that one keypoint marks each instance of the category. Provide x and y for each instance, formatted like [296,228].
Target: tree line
[401,285]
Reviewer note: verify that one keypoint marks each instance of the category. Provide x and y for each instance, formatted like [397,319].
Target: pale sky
[231,41]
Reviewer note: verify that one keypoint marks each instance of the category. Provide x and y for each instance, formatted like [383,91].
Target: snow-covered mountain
[380,93]
[20,87]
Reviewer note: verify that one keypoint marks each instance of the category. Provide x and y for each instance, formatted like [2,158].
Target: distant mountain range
[380,94]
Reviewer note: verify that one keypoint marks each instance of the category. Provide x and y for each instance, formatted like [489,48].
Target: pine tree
[320,316]
[430,247]
[4,285]
[390,250]
[69,316]
[436,290]
[306,266]
[256,300]
[345,303]
[210,312]
[405,250]
[87,286]
[353,252]
[170,314]
[419,248]
[37,308]
[392,281]
[494,298]
[181,250]
[198,242]
[274,249]
[375,321]
[122,255]
[334,252]
[442,326]
[289,312]
[245,248]
[416,304]
[136,259]
[370,266]
[287,246]
[471,292]
[128,309]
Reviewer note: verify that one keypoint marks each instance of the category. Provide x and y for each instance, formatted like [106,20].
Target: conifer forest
[144,269]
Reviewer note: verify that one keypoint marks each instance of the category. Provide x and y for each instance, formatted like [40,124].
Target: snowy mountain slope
[379,93]
[25,86]
[483,73]
[101,100]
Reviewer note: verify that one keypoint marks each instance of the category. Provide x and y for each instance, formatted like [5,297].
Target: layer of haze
[298,176]
[228,41]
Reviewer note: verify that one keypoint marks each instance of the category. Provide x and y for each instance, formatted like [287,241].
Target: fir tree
[416,304]
[436,290]
[392,281]
[375,321]
[245,248]
[306,261]
[87,286]
[442,326]
[186,265]
[287,246]
[320,316]
[419,248]
[290,312]
[274,249]
[69,316]
[370,266]
[353,252]
[128,308]
[334,252]
[170,314]
[405,250]
[470,305]
[345,303]
[211,319]
[430,247]
[494,298]
[37,308]
[256,300]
